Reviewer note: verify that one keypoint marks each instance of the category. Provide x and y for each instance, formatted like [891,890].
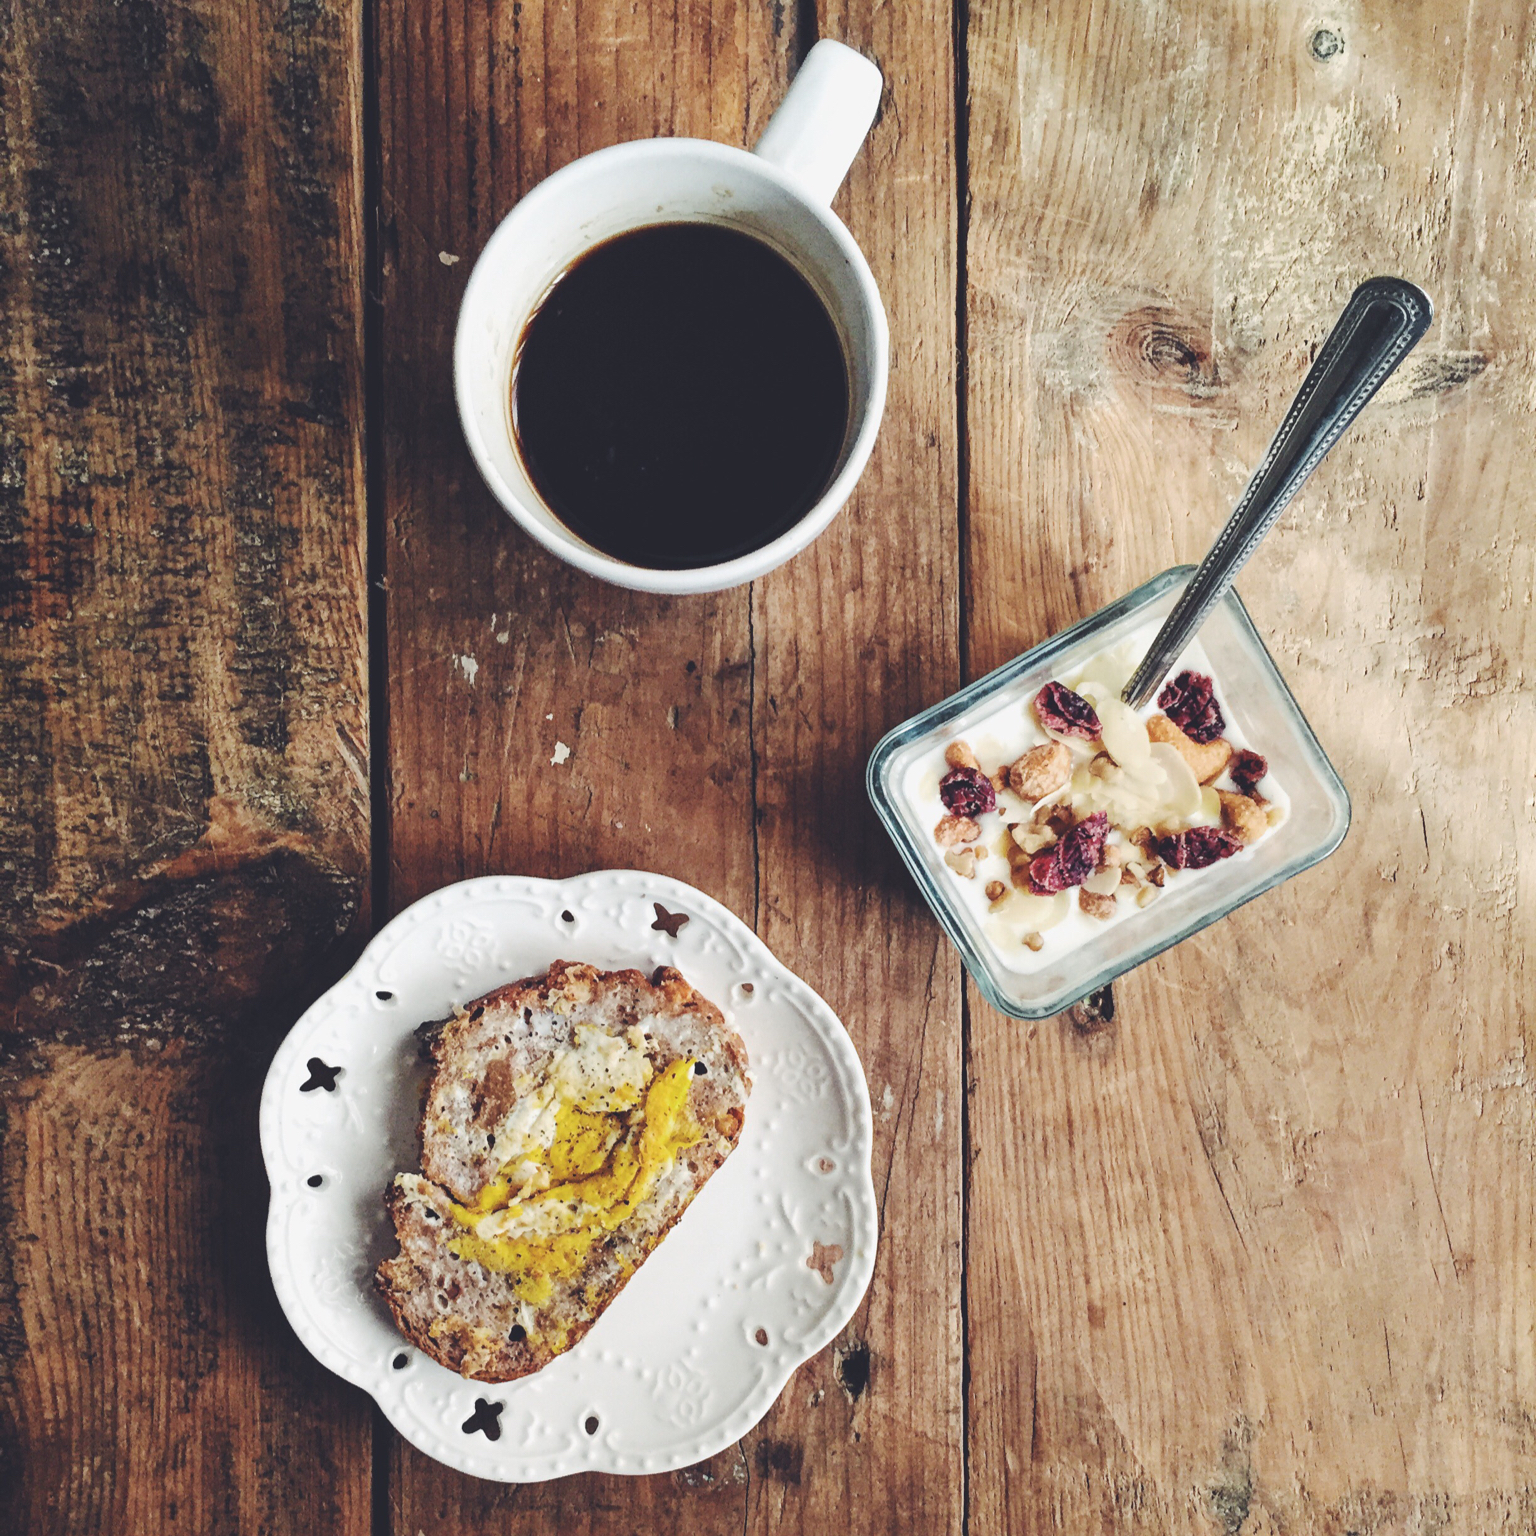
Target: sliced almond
[1123,732]
[1040,913]
[1181,796]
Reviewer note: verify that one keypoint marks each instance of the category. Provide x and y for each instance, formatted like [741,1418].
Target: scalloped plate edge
[851,1287]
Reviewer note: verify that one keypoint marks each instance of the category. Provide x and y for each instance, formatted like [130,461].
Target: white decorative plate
[764,1268]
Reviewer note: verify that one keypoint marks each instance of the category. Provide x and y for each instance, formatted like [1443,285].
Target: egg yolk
[601,1167]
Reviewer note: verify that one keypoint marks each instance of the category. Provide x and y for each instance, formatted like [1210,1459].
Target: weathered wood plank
[854,636]
[1257,1253]
[666,704]
[497,651]
[183,780]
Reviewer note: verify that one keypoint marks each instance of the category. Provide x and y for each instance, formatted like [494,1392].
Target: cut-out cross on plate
[486,1418]
[668,922]
[320,1076]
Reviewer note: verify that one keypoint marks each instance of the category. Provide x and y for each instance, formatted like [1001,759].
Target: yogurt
[1136,781]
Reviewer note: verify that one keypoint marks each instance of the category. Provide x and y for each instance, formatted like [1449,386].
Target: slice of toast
[570,1120]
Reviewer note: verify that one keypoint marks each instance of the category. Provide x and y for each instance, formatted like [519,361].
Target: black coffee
[680,397]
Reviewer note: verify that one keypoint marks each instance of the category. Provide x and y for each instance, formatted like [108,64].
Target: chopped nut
[954,830]
[1033,839]
[1128,876]
[1206,759]
[1103,766]
[1156,875]
[1146,895]
[1104,881]
[1034,941]
[1095,905]
[1041,771]
[999,777]
[1060,818]
[963,862]
[1241,817]
[1116,854]
[996,890]
[958,754]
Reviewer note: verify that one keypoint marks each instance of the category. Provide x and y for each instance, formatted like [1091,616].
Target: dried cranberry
[1065,712]
[1073,859]
[967,792]
[1190,702]
[1197,847]
[1247,768]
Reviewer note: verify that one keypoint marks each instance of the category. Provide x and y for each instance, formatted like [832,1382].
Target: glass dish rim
[957,703]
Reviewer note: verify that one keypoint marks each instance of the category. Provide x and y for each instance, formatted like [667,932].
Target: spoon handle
[1385,316]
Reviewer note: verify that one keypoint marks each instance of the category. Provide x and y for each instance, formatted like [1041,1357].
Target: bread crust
[470,1318]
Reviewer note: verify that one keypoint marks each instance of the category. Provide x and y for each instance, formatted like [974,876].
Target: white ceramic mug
[781,192]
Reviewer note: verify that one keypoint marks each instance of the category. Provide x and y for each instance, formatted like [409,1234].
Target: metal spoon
[1383,319]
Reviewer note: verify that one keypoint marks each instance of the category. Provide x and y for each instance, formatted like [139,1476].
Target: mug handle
[823,119]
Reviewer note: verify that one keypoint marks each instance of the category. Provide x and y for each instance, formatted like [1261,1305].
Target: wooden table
[1245,1246]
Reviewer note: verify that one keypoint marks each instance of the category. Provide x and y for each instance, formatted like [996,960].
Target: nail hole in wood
[1095,1014]
[486,1418]
[320,1076]
[1326,44]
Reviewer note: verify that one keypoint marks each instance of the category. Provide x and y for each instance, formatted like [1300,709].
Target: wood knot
[1325,44]
[1154,346]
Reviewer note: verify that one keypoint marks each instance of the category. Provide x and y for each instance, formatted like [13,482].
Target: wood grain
[497,652]
[700,744]
[1248,1244]
[183,749]
[1256,1254]
[851,638]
